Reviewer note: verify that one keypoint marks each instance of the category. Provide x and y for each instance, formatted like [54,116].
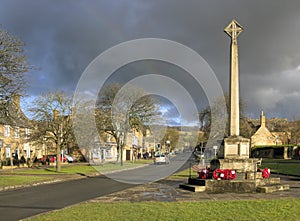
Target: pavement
[168,191]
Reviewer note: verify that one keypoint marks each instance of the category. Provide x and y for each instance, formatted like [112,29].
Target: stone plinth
[245,168]
[240,165]
[236,147]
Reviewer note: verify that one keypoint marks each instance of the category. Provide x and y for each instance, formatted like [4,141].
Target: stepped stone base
[272,188]
[237,186]
[193,188]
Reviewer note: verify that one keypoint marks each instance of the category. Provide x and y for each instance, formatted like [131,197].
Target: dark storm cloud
[63,37]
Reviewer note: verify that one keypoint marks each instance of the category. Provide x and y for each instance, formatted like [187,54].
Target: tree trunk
[121,154]
[118,153]
[58,154]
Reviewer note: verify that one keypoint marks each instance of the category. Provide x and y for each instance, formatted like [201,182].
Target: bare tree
[221,117]
[13,66]
[83,125]
[53,121]
[120,109]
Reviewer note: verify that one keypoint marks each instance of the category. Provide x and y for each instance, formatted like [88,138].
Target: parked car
[52,158]
[69,158]
[161,159]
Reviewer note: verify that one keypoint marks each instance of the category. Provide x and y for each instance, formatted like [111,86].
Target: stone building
[15,129]
[263,136]
[105,148]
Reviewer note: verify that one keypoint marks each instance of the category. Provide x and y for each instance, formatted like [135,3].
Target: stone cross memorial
[235,146]
[234,170]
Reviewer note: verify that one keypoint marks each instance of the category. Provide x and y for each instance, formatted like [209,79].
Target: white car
[69,158]
[161,159]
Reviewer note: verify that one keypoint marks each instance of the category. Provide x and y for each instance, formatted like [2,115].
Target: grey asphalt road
[21,203]
[151,173]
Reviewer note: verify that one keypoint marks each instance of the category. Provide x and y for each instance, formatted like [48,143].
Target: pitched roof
[11,114]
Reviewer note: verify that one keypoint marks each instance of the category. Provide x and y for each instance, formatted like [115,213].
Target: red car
[52,158]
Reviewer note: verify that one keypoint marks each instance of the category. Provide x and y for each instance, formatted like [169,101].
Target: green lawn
[183,174]
[7,180]
[36,175]
[69,169]
[110,167]
[288,167]
[286,209]
[81,169]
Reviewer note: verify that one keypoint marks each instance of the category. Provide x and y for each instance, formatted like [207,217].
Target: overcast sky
[63,37]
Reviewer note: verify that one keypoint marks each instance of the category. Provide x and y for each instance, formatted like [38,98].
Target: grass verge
[7,180]
[285,209]
[183,174]
[70,169]
[21,176]
[81,169]
[111,167]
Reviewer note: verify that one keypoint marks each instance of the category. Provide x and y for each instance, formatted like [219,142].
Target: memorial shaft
[234,91]
[233,30]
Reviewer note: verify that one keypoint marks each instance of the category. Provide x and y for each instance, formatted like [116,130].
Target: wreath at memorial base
[225,174]
[203,173]
[265,173]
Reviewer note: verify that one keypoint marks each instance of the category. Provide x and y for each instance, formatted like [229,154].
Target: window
[108,153]
[108,138]
[17,132]
[6,131]
[27,149]
[27,133]
[7,152]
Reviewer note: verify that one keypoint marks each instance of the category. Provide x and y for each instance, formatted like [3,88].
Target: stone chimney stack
[262,120]
[55,114]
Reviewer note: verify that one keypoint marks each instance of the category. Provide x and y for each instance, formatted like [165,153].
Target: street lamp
[121,148]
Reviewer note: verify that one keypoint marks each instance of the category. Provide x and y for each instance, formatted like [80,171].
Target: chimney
[55,114]
[16,100]
[262,120]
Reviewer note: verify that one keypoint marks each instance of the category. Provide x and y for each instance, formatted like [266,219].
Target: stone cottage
[15,129]
[264,137]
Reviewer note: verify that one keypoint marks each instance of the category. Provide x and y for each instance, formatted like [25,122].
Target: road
[152,172]
[22,203]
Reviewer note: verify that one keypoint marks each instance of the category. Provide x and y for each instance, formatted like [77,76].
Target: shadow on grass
[53,171]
